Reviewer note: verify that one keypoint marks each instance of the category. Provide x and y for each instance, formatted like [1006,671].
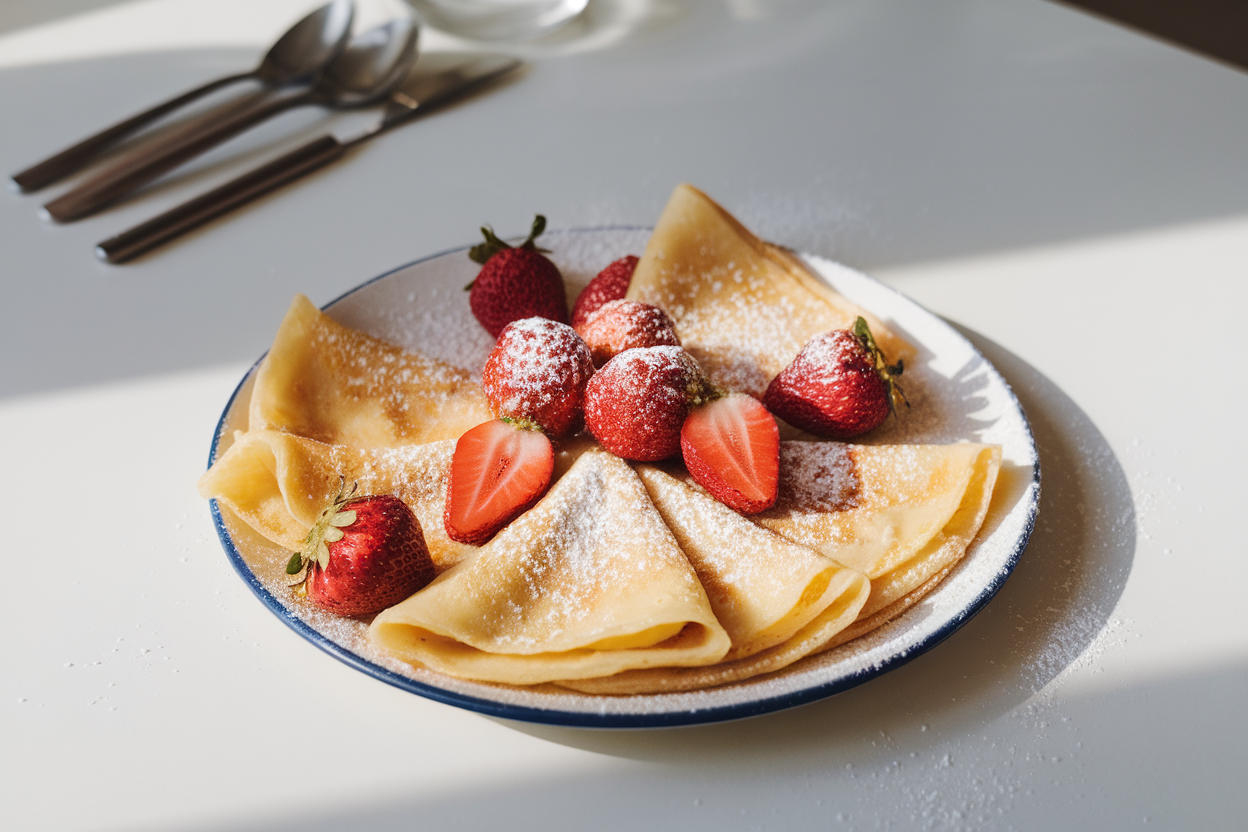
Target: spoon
[297,57]
[414,98]
[367,70]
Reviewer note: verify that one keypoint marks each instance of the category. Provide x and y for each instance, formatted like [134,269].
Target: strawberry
[498,471]
[838,386]
[515,282]
[363,554]
[635,405]
[536,375]
[731,446]
[610,284]
[620,325]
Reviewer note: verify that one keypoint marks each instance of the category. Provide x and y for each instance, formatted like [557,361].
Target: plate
[956,395]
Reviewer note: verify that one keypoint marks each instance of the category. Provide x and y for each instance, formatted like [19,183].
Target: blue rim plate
[957,393]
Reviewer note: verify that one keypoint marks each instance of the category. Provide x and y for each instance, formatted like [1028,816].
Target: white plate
[956,395]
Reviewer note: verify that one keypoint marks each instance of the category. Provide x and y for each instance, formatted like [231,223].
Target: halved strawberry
[731,447]
[498,471]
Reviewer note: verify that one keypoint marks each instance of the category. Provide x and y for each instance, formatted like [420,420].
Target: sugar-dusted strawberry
[731,446]
[363,554]
[838,386]
[498,471]
[610,284]
[537,373]
[620,325]
[515,282]
[635,405]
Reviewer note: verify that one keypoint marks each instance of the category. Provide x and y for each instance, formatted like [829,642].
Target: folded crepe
[337,385]
[742,307]
[779,601]
[589,582]
[278,484]
[900,514]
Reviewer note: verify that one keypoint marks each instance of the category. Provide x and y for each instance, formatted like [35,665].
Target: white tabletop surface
[1072,195]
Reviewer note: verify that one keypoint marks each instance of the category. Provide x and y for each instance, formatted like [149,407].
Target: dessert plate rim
[637,714]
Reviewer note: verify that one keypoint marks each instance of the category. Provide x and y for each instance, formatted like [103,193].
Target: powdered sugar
[621,325]
[635,405]
[816,477]
[955,393]
[538,371]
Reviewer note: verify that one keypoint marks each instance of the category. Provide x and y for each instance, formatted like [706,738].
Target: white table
[1072,195]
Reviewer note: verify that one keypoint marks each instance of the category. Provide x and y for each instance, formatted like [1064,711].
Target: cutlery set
[316,62]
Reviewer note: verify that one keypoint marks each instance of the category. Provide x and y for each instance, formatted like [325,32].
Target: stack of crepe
[624,578]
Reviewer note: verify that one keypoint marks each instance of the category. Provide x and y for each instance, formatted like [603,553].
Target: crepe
[334,384]
[621,580]
[587,583]
[777,600]
[742,307]
[900,514]
[278,484]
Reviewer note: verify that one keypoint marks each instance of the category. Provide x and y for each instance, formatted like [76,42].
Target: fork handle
[195,212]
[72,159]
[132,173]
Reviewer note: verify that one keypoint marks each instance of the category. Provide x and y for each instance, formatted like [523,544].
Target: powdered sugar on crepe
[956,396]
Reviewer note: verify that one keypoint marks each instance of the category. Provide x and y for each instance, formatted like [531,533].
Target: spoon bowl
[376,62]
[308,47]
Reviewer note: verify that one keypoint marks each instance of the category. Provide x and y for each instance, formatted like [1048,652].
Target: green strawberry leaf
[887,374]
[482,252]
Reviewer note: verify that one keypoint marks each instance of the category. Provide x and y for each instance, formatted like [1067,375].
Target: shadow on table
[937,739]
[1052,608]
[881,133]
[1179,727]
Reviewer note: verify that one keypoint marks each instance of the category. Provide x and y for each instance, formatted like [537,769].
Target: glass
[497,20]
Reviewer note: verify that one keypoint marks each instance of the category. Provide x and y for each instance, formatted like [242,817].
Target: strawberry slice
[498,471]
[731,447]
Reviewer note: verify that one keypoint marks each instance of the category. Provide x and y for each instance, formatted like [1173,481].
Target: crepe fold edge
[592,564]
[854,614]
[937,557]
[326,381]
[278,484]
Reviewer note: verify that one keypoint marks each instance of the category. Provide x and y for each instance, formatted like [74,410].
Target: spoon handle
[72,159]
[195,212]
[130,174]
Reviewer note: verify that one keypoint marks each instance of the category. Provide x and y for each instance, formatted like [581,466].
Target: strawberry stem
[324,530]
[539,225]
[887,374]
[482,252]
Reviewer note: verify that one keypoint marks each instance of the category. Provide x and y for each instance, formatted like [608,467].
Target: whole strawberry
[839,386]
[537,373]
[610,284]
[515,282]
[636,404]
[364,554]
[620,325]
